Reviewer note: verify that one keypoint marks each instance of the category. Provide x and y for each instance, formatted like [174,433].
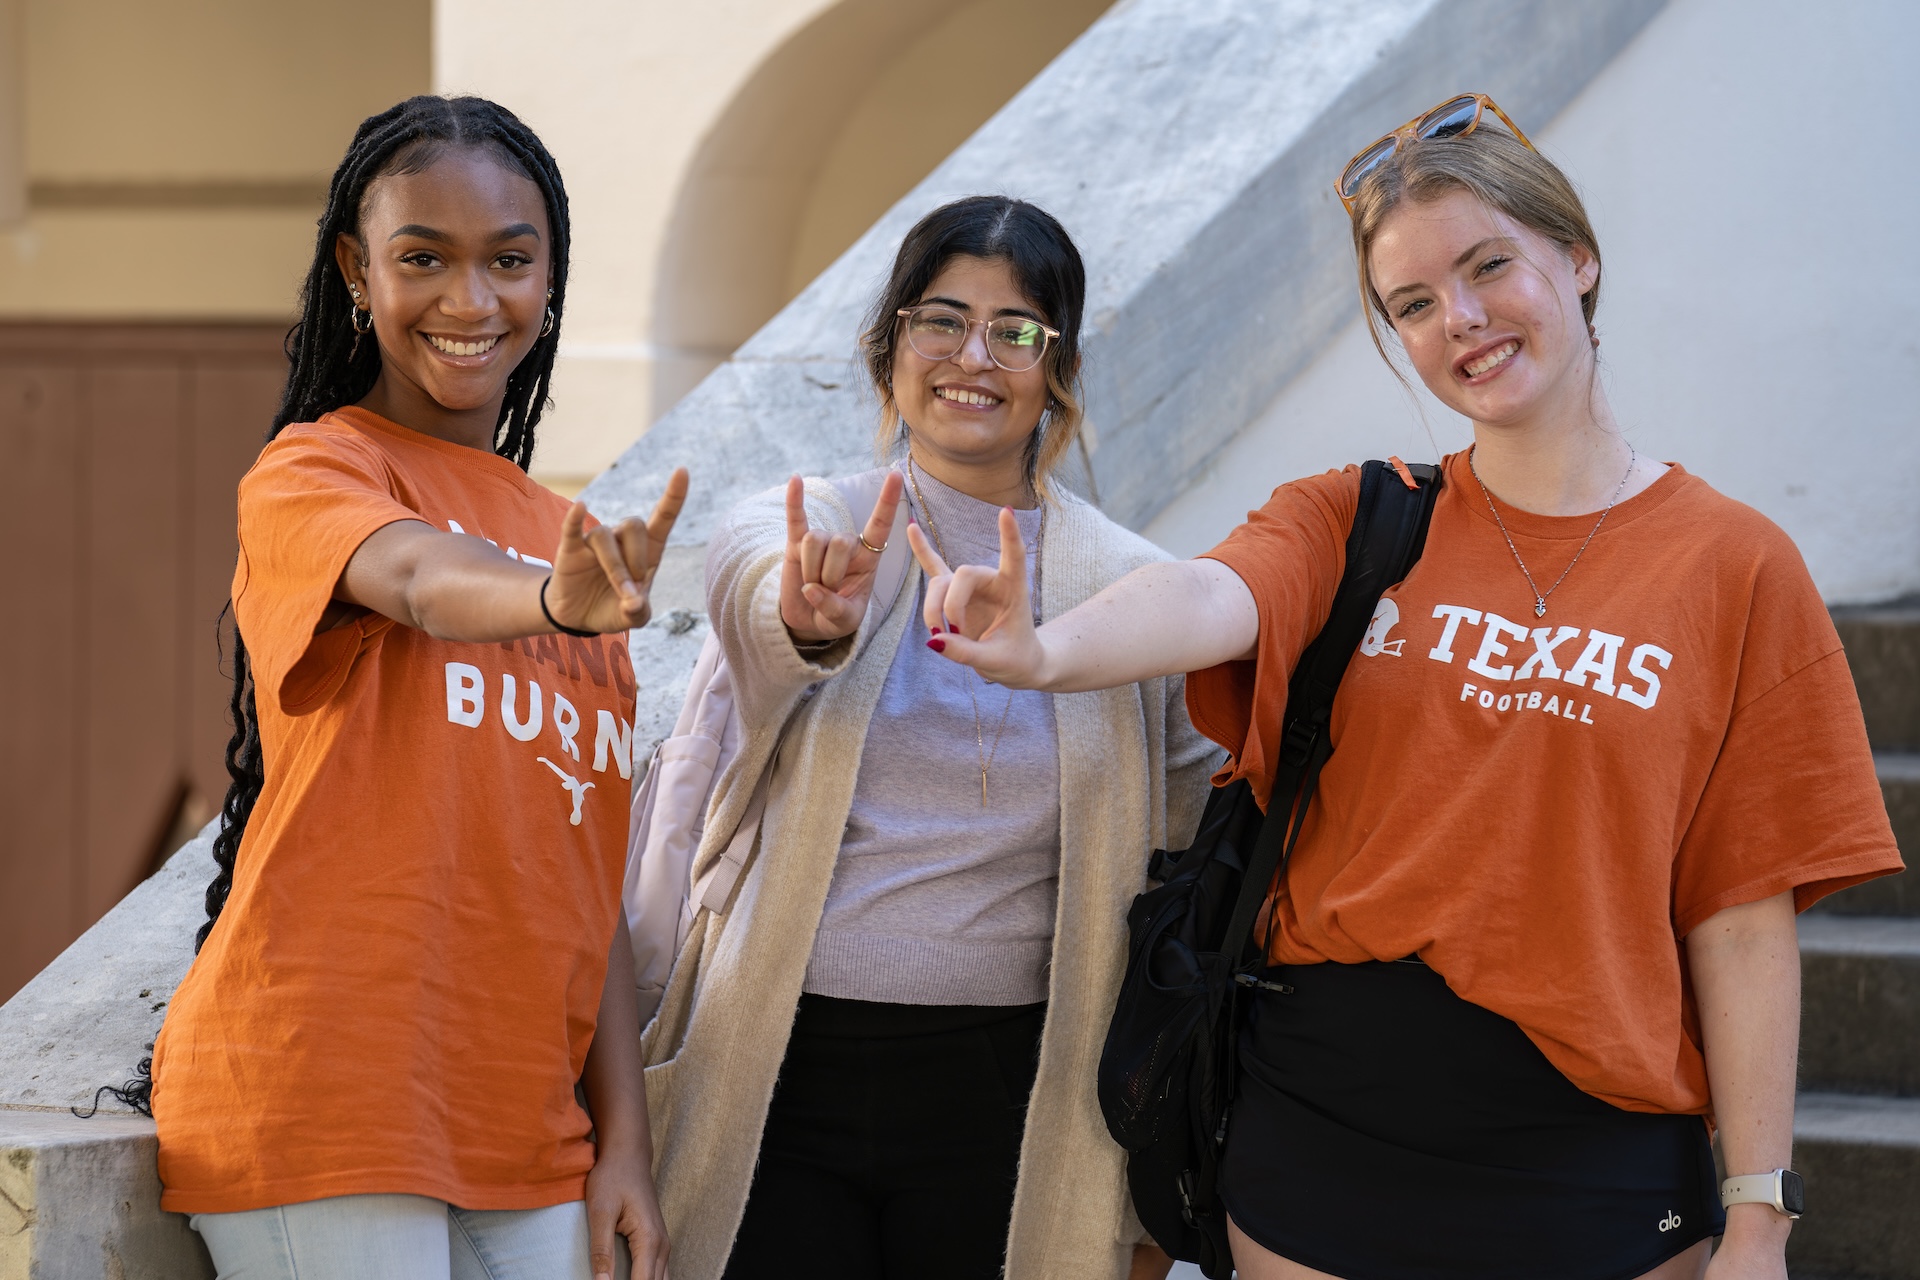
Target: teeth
[964,397]
[1491,359]
[462,348]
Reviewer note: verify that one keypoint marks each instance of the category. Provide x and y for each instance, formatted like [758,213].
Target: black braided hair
[331,370]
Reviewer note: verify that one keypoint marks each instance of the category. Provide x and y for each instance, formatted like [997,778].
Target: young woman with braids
[413,948]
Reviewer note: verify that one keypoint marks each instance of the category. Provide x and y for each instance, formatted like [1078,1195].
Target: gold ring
[879,550]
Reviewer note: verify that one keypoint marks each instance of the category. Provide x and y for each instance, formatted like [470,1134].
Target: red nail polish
[937,644]
[936,631]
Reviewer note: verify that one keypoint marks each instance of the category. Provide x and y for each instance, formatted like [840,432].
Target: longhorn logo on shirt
[1386,616]
[576,788]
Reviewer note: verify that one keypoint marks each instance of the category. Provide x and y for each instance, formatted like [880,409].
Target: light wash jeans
[393,1237]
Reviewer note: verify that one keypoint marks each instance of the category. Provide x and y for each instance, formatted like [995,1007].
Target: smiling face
[1487,309]
[966,411]
[454,263]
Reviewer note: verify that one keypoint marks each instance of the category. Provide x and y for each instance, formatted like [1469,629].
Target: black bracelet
[558,625]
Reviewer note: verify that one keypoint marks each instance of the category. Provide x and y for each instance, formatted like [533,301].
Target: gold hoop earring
[547,327]
[353,318]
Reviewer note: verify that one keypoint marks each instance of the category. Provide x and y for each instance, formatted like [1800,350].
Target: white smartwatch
[1783,1189]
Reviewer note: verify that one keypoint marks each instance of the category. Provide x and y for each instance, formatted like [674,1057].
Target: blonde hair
[1497,169]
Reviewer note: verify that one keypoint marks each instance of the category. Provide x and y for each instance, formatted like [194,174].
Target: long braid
[329,370]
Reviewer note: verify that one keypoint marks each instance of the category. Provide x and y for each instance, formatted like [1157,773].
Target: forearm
[477,595]
[1745,966]
[614,1080]
[1161,619]
[449,585]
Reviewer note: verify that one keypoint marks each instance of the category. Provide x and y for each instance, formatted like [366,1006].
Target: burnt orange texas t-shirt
[1543,807]
[401,991]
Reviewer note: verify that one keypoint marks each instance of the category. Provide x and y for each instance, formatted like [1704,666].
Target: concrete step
[1860,1004]
[1896,895]
[1860,1156]
[1883,649]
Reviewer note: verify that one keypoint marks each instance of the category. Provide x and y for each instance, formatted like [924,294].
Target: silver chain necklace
[986,757]
[1539,596]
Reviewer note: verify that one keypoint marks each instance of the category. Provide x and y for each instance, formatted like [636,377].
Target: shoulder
[332,434]
[317,453]
[1750,583]
[1321,504]
[1732,544]
[1117,549]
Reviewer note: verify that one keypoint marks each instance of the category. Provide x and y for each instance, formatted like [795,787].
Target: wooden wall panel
[235,403]
[40,473]
[135,575]
[122,445]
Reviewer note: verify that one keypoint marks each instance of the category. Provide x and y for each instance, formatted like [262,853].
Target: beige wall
[923,104]
[177,154]
[719,155]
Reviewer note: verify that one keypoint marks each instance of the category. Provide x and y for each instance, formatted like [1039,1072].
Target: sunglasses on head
[1457,117]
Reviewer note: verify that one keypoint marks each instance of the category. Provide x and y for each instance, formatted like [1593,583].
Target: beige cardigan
[1133,777]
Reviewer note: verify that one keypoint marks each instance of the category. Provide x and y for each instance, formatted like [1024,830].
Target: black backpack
[1167,1075]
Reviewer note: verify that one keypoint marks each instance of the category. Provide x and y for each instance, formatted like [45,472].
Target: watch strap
[1761,1188]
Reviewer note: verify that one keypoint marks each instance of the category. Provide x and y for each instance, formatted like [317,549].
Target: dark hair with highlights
[1046,269]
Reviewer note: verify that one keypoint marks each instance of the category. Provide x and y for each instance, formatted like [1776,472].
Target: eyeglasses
[1455,118]
[937,332]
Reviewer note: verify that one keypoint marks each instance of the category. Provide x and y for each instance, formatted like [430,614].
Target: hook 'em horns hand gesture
[984,617]
[826,579]
[601,576]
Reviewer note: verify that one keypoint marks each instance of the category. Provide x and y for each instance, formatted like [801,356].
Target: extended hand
[984,617]
[620,1198]
[601,578]
[825,579]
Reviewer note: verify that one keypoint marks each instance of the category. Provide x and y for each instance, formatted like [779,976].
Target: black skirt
[1386,1129]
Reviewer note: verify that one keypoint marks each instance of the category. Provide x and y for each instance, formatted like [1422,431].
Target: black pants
[892,1145]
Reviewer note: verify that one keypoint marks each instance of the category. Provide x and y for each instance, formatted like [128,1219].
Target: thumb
[600,1225]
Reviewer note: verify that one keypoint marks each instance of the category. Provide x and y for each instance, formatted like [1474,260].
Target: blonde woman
[879,1061]
[1597,753]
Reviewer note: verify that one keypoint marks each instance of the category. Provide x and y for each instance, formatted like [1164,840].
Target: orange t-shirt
[1542,808]
[401,991]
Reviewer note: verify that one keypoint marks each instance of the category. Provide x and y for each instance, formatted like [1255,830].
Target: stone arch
[833,127]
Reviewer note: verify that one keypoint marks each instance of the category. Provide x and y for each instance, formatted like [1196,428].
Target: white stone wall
[1748,165]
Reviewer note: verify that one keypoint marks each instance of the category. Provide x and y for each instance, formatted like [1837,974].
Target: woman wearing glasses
[879,1061]
[1597,749]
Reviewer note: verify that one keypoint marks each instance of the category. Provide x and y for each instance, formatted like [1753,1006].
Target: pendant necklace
[985,755]
[1540,597]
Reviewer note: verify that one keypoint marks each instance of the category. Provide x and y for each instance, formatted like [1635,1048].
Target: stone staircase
[1857,1127]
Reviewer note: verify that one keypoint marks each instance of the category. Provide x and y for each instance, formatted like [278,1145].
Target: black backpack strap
[1389,532]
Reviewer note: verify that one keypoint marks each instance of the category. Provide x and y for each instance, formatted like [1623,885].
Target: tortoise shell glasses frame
[1457,117]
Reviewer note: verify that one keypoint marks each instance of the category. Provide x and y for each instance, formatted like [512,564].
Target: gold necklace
[984,756]
[1539,597]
